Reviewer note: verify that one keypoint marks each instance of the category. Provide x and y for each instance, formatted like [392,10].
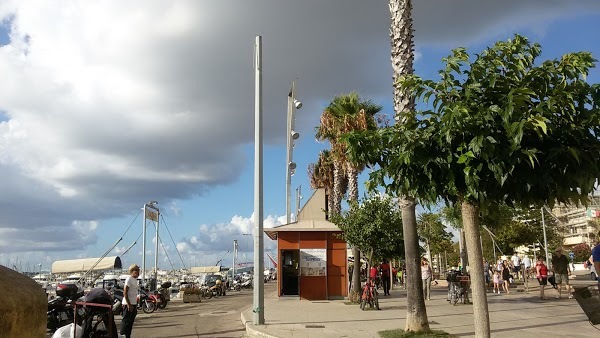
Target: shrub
[582,252]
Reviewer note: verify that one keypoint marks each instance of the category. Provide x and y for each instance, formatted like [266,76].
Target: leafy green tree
[501,129]
[372,226]
[433,233]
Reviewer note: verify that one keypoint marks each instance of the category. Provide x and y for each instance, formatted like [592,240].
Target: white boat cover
[85,264]
[205,269]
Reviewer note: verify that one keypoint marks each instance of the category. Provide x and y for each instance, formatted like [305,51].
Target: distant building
[574,222]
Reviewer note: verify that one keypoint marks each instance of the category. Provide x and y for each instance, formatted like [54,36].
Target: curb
[251,330]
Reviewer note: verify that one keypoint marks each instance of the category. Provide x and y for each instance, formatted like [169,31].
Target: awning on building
[308,225]
[85,264]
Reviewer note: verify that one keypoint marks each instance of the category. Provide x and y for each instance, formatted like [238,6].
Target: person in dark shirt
[562,271]
[384,268]
[596,257]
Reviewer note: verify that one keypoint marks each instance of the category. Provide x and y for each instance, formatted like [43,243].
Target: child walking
[497,281]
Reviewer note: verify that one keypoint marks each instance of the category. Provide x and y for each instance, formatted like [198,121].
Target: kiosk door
[290,270]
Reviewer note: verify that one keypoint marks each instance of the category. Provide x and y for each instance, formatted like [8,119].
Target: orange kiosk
[312,257]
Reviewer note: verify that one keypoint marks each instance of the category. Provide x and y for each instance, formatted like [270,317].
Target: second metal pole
[259,283]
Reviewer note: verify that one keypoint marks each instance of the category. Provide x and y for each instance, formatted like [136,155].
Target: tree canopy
[374,227]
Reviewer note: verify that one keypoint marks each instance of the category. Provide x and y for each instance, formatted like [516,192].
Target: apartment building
[574,222]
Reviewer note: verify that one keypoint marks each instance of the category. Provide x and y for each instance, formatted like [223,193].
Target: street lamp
[290,166]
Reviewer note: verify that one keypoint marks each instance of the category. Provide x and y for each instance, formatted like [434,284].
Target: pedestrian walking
[384,268]
[562,271]
[541,273]
[497,282]
[486,274]
[596,257]
[505,276]
[130,293]
[426,277]
[516,263]
[526,267]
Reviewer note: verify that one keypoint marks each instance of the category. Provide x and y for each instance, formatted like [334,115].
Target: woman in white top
[426,277]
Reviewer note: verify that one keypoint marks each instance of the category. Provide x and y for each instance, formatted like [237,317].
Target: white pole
[144,247]
[545,240]
[259,283]
[156,251]
[234,257]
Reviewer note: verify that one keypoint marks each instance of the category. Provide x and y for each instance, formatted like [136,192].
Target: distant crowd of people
[505,272]
[499,275]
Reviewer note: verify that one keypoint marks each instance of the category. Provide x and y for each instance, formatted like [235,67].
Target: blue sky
[112,105]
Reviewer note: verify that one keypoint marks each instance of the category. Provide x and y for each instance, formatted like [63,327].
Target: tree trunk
[470,216]
[330,203]
[353,197]
[338,176]
[416,313]
[401,34]
[356,291]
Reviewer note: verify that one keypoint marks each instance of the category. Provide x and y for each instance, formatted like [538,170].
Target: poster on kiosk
[313,262]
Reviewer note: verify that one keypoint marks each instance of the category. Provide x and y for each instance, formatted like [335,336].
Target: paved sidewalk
[517,314]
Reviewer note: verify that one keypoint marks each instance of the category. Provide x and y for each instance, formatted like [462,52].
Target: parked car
[593,273]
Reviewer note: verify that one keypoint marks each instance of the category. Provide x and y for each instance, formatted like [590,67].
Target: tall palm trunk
[353,197]
[401,34]
[470,216]
[330,201]
[416,314]
[338,177]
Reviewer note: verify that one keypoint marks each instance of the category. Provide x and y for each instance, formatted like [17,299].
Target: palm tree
[401,34]
[321,176]
[346,113]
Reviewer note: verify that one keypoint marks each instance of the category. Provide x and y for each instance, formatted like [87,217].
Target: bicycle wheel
[455,296]
[376,300]
[363,303]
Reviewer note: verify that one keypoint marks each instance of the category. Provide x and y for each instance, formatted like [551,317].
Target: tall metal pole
[235,245]
[156,251]
[289,154]
[545,239]
[259,283]
[144,247]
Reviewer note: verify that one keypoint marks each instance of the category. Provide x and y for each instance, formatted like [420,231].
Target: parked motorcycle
[145,302]
[163,295]
[60,309]
[236,285]
[246,283]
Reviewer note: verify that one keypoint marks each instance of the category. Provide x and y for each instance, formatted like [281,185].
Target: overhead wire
[163,247]
[174,245]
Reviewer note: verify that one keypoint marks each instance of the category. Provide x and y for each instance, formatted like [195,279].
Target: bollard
[23,307]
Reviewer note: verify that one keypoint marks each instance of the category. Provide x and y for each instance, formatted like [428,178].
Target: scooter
[236,285]
[163,295]
[60,309]
[145,302]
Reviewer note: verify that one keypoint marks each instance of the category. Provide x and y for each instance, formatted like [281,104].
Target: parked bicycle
[458,287]
[369,295]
